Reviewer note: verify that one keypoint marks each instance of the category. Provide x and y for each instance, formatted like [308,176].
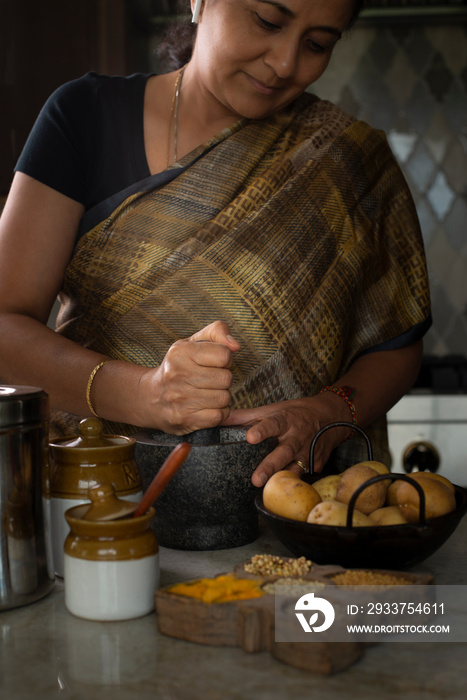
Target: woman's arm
[379,378]
[189,390]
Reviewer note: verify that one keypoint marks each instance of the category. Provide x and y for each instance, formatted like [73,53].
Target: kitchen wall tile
[421,167]
[401,33]
[443,257]
[428,223]
[456,336]
[441,196]
[439,77]
[463,78]
[402,143]
[451,44]
[401,78]
[420,51]
[365,79]
[456,290]
[438,135]
[343,63]
[456,230]
[442,309]
[348,102]
[382,51]
[411,81]
[455,165]
[455,106]
[420,107]
[374,97]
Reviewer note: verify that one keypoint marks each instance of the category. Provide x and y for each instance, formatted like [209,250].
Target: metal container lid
[20,405]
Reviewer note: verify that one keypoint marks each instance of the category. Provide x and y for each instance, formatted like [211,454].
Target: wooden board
[249,624]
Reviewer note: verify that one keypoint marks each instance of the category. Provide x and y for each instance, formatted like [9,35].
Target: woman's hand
[190,390]
[380,378]
[294,423]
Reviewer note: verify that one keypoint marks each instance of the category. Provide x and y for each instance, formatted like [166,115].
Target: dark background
[44,43]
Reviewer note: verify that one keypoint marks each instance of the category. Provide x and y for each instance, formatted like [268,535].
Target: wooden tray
[249,624]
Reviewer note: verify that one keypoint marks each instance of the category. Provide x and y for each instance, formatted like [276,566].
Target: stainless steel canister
[25,575]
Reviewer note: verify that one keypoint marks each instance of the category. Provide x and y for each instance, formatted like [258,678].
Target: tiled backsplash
[411,81]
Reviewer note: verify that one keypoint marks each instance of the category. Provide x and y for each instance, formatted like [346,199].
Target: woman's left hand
[294,423]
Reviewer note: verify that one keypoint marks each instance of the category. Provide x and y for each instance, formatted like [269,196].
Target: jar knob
[91,434]
[91,428]
[105,505]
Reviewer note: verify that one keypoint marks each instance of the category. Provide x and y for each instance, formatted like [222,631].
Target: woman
[216,191]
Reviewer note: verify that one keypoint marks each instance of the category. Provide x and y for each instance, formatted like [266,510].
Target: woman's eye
[314,46]
[267,25]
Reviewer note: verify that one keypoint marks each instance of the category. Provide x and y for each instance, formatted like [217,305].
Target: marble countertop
[45,652]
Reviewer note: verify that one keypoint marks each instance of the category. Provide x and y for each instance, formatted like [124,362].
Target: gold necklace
[174,116]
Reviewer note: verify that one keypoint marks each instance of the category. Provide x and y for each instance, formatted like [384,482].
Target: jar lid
[105,504]
[20,405]
[91,436]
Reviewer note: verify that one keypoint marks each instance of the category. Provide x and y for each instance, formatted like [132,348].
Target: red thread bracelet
[346,393]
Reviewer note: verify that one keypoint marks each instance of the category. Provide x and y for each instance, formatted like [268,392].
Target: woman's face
[256,56]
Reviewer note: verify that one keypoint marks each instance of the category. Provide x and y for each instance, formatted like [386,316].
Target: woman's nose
[282,57]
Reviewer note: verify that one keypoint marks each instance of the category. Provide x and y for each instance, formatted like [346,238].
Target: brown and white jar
[111,567]
[78,463]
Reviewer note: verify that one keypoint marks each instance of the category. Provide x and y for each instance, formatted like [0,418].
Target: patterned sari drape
[299,231]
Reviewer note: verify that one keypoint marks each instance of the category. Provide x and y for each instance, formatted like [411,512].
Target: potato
[335,513]
[391,498]
[287,495]
[378,467]
[371,498]
[436,477]
[327,487]
[391,495]
[388,515]
[439,499]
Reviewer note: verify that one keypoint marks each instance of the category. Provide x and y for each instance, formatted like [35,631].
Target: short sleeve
[55,152]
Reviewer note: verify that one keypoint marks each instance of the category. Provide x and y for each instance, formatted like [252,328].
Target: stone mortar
[209,504]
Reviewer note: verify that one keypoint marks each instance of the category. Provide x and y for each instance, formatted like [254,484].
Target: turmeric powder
[220,589]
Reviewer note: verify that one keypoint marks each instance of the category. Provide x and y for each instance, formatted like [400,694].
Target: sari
[297,230]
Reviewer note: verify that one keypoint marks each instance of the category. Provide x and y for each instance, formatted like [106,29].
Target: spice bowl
[111,567]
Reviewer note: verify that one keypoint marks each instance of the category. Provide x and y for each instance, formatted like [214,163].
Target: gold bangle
[88,388]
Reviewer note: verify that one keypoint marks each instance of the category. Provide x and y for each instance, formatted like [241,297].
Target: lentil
[272,565]
[359,577]
[289,585]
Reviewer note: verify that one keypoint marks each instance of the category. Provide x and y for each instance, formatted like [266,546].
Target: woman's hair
[177,43]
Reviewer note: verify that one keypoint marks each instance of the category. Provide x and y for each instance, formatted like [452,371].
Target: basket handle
[340,424]
[392,477]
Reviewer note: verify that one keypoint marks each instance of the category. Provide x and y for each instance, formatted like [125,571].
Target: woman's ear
[196,10]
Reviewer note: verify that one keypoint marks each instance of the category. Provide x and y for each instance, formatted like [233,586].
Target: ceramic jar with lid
[111,566]
[77,464]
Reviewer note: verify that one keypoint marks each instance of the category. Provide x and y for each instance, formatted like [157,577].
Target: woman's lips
[261,87]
